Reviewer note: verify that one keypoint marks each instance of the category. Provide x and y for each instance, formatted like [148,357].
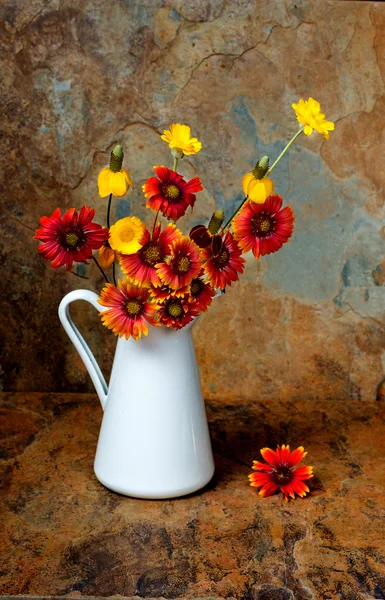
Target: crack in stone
[25,25]
[110,143]
[234,56]
[12,216]
[365,318]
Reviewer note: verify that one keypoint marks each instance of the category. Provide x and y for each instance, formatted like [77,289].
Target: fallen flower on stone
[281,473]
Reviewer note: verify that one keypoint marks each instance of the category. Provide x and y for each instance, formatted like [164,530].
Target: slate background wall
[79,77]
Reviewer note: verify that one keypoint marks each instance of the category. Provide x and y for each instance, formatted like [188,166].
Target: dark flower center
[151,254]
[263,225]
[171,191]
[222,260]
[71,239]
[282,474]
[182,264]
[133,307]
[196,287]
[174,309]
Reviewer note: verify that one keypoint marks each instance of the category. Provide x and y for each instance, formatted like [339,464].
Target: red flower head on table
[280,472]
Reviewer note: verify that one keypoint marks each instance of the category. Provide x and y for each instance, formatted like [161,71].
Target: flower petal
[118,184]
[303,472]
[296,456]
[259,466]
[259,189]
[268,489]
[245,182]
[270,456]
[103,182]
[127,177]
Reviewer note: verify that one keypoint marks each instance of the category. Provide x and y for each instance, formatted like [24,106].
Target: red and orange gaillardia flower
[183,264]
[154,249]
[130,309]
[263,228]
[177,312]
[70,238]
[170,193]
[201,294]
[164,292]
[223,263]
[281,473]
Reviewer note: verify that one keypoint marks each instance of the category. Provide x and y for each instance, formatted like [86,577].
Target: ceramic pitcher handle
[79,342]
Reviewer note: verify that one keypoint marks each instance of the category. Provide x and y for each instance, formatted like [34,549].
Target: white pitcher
[154,440]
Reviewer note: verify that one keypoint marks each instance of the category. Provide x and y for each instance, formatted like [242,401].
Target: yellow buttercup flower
[309,114]
[257,190]
[178,138]
[126,235]
[114,179]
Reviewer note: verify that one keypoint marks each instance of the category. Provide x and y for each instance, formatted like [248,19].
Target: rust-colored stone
[65,534]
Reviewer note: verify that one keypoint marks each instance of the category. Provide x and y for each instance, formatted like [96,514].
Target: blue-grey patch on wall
[123,208]
[175,15]
[61,86]
[357,271]
[141,14]
[228,205]
[359,288]
[243,118]
[81,269]
[329,215]
[85,111]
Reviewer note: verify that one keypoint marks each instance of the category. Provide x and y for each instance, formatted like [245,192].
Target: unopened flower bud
[261,168]
[216,221]
[116,159]
[177,153]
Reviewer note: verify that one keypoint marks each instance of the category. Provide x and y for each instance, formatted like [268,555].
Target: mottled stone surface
[63,533]
[79,77]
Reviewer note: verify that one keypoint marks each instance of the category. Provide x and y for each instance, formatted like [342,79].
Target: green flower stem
[113,273]
[155,221]
[286,148]
[100,268]
[233,215]
[175,164]
[108,211]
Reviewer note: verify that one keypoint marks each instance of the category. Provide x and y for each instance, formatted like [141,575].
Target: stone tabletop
[65,534]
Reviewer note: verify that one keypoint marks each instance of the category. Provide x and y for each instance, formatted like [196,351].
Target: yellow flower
[309,114]
[114,179]
[126,235]
[178,137]
[257,190]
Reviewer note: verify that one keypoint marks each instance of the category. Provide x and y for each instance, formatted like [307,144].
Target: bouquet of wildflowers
[171,277]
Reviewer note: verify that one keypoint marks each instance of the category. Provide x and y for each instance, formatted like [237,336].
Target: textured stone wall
[79,77]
